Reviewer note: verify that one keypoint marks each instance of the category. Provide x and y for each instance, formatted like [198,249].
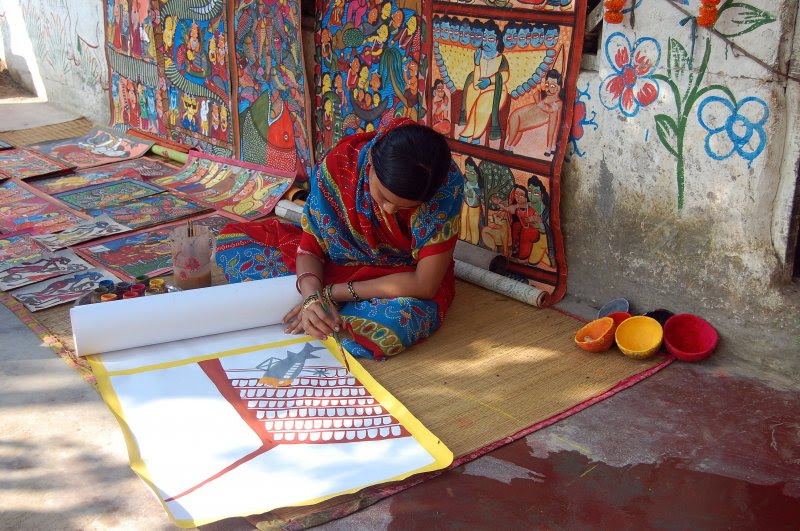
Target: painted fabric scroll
[61,290]
[97,147]
[41,268]
[88,230]
[152,210]
[371,68]
[24,163]
[146,252]
[242,189]
[226,78]
[502,84]
[106,194]
[21,210]
[297,423]
[129,169]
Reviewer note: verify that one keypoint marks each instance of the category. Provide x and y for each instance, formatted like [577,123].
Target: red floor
[692,447]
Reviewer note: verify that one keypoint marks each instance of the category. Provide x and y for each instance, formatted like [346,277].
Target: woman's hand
[293,321]
[319,324]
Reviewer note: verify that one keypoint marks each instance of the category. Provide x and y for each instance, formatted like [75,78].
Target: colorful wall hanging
[226,78]
[88,230]
[242,189]
[24,163]
[502,89]
[41,268]
[49,293]
[102,195]
[17,248]
[24,210]
[146,252]
[152,210]
[256,406]
[97,147]
[369,68]
[129,169]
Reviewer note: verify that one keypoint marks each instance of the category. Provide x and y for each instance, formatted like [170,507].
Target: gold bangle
[327,294]
[353,291]
[311,299]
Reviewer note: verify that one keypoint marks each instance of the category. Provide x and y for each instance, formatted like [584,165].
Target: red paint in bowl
[689,337]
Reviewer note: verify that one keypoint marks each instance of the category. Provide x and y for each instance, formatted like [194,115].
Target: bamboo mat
[35,135]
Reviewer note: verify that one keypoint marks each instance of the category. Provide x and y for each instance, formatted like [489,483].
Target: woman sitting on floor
[376,244]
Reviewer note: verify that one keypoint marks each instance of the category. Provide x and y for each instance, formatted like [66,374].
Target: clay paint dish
[661,315]
[639,337]
[596,336]
[617,305]
[689,337]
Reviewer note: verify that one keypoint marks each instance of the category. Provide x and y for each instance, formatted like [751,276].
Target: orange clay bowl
[596,336]
[639,337]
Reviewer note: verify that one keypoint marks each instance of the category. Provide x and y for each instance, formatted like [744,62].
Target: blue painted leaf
[737,18]
[667,131]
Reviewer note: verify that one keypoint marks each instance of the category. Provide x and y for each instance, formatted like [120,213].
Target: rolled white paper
[289,211]
[499,284]
[106,327]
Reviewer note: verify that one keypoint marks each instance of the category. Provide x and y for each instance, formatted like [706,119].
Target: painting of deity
[129,25]
[546,6]
[372,69]
[196,71]
[499,84]
[272,87]
[138,105]
[508,211]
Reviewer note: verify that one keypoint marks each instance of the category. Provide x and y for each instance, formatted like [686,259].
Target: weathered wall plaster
[688,206]
[55,48]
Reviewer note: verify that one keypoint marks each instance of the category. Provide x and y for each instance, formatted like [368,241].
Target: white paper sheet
[131,323]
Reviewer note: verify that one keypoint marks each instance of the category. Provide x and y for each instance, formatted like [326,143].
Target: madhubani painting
[90,229]
[225,78]
[23,163]
[21,210]
[128,169]
[41,268]
[239,188]
[371,66]
[106,194]
[49,293]
[151,210]
[18,247]
[502,88]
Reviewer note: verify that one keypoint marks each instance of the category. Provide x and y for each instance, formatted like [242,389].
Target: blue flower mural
[733,127]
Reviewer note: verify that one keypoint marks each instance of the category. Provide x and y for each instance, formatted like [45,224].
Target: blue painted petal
[755,110]
[614,42]
[753,148]
[719,146]
[713,113]
[649,48]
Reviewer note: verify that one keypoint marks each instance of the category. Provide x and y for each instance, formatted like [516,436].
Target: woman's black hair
[412,161]
[556,75]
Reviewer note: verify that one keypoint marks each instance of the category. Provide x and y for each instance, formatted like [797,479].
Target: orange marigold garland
[613,14]
[708,13]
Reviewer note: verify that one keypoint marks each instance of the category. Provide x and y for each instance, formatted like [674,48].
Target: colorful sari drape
[356,240]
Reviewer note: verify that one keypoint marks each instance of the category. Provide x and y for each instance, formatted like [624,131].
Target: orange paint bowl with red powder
[597,335]
[689,337]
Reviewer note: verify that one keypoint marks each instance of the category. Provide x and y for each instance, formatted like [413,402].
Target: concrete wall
[720,245]
[55,48]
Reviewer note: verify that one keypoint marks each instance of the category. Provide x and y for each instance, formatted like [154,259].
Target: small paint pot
[142,279]
[108,284]
[123,285]
[138,288]
[130,294]
[689,337]
[97,293]
[108,297]
[661,315]
[151,291]
[157,283]
[597,335]
[617,305]
[639,337]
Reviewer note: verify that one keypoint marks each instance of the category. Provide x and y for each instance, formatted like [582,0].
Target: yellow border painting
[441,455]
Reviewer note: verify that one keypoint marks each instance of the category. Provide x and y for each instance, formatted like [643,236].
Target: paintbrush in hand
[336,337]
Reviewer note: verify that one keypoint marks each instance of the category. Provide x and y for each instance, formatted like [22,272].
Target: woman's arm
[314,320]
[423,283]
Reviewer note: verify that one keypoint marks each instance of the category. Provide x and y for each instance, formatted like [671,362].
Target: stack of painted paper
[500,85]
[223,77]
[248,419]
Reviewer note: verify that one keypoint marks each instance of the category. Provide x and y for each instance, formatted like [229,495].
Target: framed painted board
[41,268]
[90,229]
[97,147]
[297,420]
[23,209]
[99,196]
[151,210]
[146,252]
[141,168]
[23,163]
[61,290]
[242,189]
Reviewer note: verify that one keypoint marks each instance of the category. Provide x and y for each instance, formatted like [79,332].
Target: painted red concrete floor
[692,447]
